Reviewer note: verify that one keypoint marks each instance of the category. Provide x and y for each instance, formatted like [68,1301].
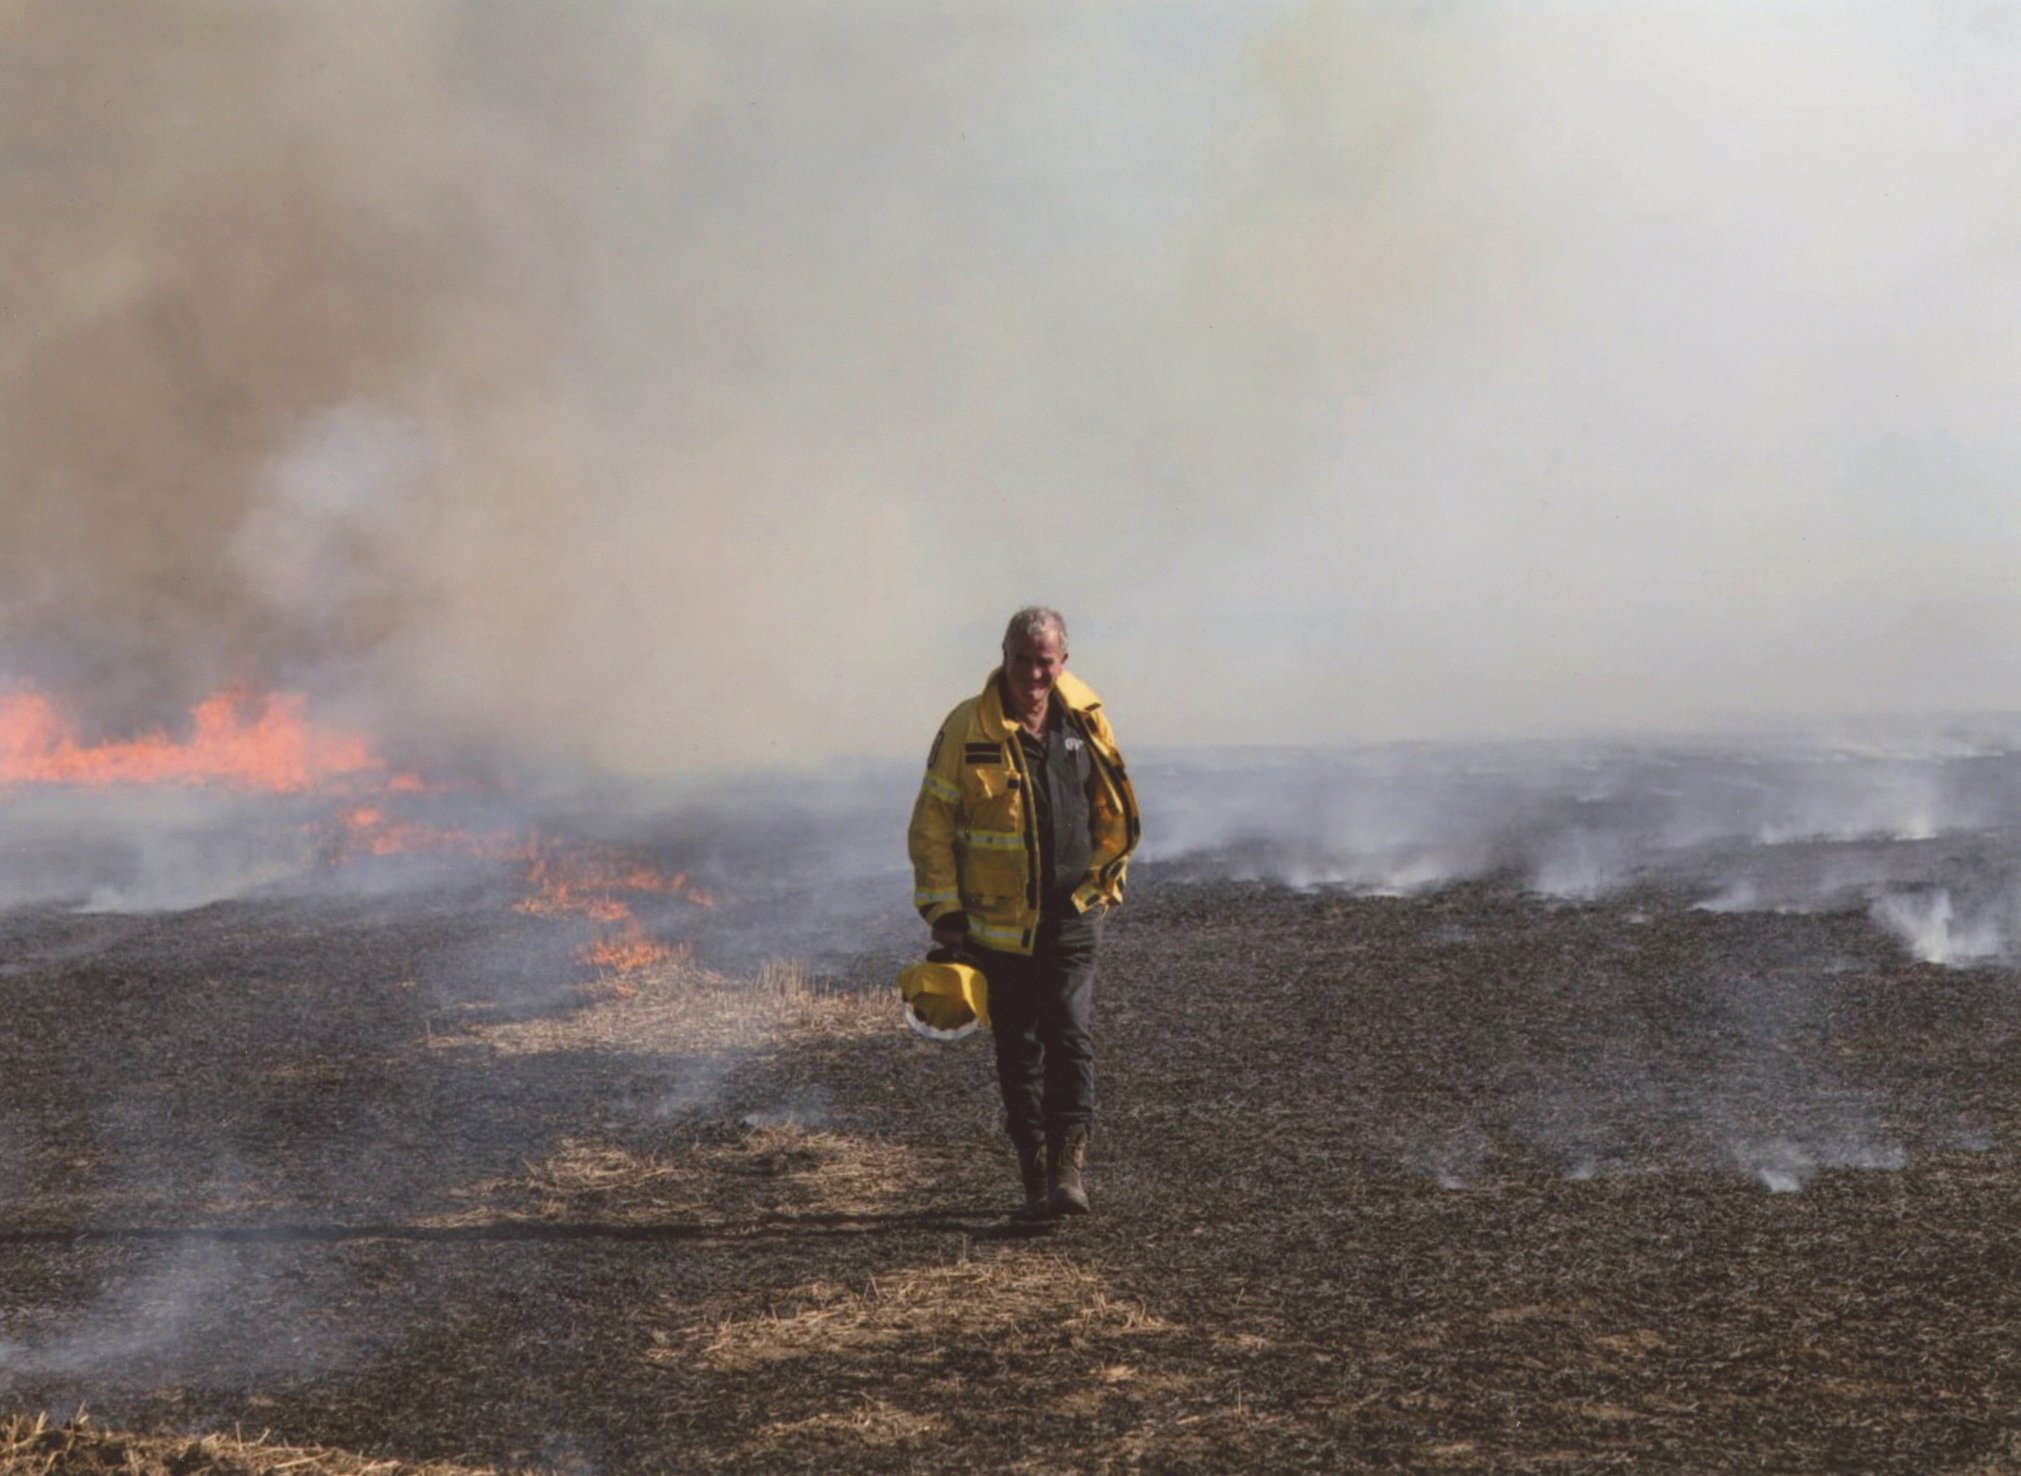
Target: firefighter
[1020,837]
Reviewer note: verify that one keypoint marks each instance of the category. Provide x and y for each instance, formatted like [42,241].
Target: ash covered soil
[1471,1181]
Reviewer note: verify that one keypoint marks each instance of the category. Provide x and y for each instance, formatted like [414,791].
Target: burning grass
[242,742]
[263,743]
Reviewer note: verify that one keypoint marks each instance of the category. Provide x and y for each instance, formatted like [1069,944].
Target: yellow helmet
[943,997]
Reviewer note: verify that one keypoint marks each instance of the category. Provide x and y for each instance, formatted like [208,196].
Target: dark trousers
[1041,1011]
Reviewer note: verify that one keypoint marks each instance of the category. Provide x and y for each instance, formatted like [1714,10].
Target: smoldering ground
[1469,1170]
[303,1149]
[1915,823]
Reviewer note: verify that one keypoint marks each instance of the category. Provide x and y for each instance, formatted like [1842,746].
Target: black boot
[1067,1153]
[1032,1170]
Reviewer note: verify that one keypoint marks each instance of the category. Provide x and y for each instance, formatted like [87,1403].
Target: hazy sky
[669,384]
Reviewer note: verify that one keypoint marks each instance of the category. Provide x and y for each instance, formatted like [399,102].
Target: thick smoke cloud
[661,386]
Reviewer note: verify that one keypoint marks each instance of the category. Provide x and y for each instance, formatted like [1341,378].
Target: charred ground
[1468,1181]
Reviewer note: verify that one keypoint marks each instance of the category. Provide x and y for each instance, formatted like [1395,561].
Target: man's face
[1032,664]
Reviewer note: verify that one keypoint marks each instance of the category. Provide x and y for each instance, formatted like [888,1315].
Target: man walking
[1020,837]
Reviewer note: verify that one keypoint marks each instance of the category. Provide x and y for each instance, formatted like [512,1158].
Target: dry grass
[77,1447]
[785,980]
[713,1173]
[871,1423]
[1000,1301]
[891,1367]
[679,1006]
[721,1180]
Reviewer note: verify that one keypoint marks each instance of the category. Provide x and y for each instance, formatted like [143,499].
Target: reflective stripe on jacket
[974,840]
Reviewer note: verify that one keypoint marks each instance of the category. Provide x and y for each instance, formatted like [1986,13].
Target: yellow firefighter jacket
[974,838]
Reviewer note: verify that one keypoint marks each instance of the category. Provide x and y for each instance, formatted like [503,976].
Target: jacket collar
[996,724]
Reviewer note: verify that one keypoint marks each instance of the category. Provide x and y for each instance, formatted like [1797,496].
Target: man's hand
[951,931]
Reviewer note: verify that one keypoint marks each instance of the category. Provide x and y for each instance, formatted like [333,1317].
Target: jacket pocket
[992,867]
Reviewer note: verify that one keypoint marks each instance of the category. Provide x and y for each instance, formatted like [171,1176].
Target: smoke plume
[661,387]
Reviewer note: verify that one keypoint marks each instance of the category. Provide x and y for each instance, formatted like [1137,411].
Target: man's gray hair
[1033,621]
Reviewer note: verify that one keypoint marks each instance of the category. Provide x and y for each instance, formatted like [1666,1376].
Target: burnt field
[1467,1181]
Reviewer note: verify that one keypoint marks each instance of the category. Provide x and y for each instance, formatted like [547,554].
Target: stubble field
[1467,1182]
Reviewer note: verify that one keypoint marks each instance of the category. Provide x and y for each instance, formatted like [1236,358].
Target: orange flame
[269,744]
[564,880]
[584,881]
[579,878]
[631,950]
[365,830]
[266,745]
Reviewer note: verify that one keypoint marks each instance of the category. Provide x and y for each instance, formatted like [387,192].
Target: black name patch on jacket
[982,753]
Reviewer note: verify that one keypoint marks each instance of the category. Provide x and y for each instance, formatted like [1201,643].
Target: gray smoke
[657,387]
[1915,824]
